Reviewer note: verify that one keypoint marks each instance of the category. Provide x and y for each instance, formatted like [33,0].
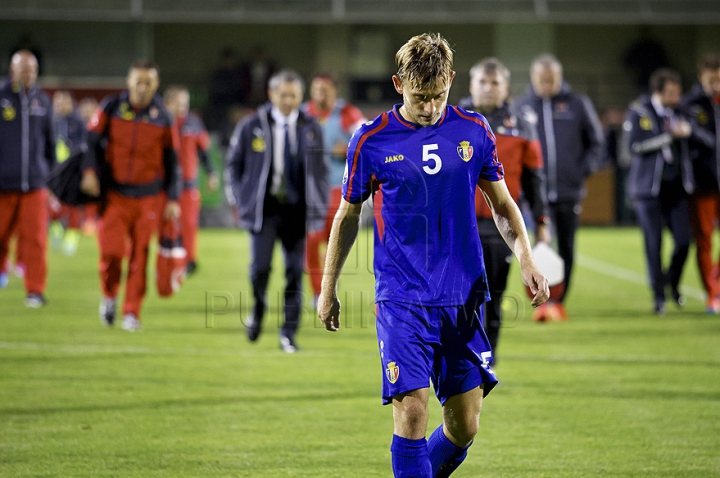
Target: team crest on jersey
[645,123]
[392,372]
[465,151]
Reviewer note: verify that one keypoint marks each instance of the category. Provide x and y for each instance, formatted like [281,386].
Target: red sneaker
[559,313]
[541,313]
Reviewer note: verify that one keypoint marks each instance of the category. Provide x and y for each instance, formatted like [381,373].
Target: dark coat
[578,139]
[249,161]
[704,152]
[27,140]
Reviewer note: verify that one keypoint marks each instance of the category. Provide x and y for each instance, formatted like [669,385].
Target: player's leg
[409,448]
[449,443]
[567,214]
[462,377]
[292,237]
[189,221]
[649,217]
[32,234]
[113,230]
[498,257]
[408,341]
[8,220]
[677,216]
[262,245]
[146,220]
[703,211]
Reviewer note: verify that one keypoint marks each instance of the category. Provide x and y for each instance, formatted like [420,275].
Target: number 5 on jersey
[428,155]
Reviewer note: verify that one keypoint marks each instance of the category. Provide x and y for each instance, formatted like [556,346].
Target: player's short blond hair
[425,61]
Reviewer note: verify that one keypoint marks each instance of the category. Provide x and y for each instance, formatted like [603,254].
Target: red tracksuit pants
[315,239]
[189,220]
[704,211]
[127,220]
[26,213]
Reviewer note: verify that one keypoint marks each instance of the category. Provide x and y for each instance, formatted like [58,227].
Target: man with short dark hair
[521,155]
[702,103]
[278,174]
[140,163]
[27,153]
[661,178]
[572,141]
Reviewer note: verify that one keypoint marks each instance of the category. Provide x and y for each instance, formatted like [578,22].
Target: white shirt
[279,145]
[664,113]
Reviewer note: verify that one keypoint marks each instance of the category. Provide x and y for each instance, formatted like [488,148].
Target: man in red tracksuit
[140,163]
[520,152]
[27,152]
[194,146]
[703,104]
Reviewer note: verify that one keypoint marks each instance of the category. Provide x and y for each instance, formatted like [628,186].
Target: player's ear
[397,83]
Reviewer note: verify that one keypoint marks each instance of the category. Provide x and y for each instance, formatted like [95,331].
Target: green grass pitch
[614,392]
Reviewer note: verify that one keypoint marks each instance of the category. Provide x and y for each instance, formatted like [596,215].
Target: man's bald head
[24,68]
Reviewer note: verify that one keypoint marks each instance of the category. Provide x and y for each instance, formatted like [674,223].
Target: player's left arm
[510,224]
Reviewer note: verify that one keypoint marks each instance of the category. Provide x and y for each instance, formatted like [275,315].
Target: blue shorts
[445,345]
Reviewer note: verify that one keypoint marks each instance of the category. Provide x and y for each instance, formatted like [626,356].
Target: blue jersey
[427,247]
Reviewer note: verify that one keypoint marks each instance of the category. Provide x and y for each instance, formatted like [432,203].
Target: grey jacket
[571,136]
[248,165]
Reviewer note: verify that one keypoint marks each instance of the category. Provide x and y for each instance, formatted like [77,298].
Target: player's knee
[412,419]
[463,431]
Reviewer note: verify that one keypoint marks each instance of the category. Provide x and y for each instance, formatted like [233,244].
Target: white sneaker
[107,311]
[131,323]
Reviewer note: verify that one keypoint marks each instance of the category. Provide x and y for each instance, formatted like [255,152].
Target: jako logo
[393,159]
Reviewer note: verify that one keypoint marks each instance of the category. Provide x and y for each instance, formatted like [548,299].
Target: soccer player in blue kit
[428,157]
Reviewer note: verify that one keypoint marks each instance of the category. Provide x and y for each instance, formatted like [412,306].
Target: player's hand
[172,210]
[538,285]
[213,182]
[90,184]
[542,234]
[329,311]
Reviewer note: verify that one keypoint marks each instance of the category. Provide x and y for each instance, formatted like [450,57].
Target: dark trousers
[286,223]
[565,217]
[498,257]
[671,208]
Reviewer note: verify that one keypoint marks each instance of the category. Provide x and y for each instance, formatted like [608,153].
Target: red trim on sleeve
[361,141]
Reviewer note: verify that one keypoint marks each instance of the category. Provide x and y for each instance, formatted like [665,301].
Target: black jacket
[72,132]
[575,131]
[704,152]
[249,161]
[27,140]
[644,137]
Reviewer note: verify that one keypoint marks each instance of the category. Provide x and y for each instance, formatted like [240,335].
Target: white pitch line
[136,350]
[629,275]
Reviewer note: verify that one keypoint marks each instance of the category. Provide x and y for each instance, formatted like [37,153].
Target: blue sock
[445,456]
[410,458]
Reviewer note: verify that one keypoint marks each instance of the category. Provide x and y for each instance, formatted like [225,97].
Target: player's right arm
[342,237]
